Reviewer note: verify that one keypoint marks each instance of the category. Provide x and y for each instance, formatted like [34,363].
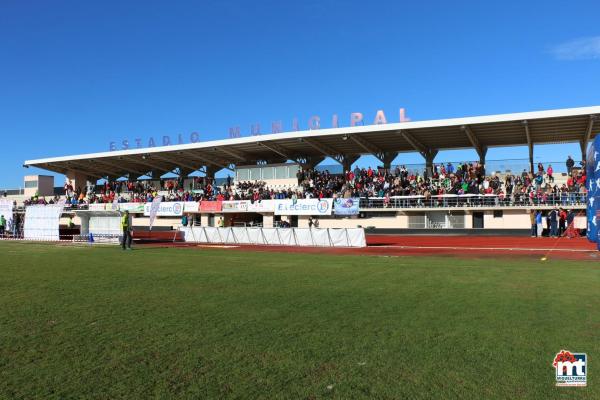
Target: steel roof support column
[310,162]
[184,172]
[347,162]
[388,158]
[529,145]
[481,149]
[211,170]
[429,156]
[79,179]
[586,138]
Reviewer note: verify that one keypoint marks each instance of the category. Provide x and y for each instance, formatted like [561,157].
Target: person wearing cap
[125,227]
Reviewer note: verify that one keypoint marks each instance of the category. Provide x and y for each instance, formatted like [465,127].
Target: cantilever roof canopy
[344,144]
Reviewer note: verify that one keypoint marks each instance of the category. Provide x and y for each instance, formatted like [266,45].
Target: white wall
[511,219]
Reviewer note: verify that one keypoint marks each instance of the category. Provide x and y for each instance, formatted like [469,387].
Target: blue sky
[77,75]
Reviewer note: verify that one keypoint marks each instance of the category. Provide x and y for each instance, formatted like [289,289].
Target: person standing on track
[553,219]
[126,228]
[2,225]
[538,223]
[532,217]
[562,222]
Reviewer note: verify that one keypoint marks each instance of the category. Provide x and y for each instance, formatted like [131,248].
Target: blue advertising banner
[346,206]
[593,179]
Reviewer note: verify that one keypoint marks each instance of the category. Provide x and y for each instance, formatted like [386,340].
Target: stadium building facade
[277,158]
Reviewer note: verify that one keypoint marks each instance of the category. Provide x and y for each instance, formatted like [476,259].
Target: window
[267,173]
[242,174]
[293,170]
[281,172]
[31,184]
[255,174]
[416,221]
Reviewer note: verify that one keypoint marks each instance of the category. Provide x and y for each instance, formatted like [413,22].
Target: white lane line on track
[217,246]
[481,248]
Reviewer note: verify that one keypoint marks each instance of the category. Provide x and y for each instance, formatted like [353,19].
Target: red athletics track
[457,246]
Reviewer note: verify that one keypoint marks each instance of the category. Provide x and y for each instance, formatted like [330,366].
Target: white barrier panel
[212,235]
[271,236]
[303,237]
[255,235]
[227,235]
[105,225]
[195,234]
[6,209]
[286,237]
[241,235]
[321,237]
[42,222]
[277,236]
[339,237]
[356,237]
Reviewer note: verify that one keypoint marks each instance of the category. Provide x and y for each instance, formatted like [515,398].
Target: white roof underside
[482,132]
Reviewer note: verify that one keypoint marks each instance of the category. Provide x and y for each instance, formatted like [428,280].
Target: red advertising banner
[211,206]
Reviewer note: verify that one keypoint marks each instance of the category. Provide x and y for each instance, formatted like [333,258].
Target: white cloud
[587,48]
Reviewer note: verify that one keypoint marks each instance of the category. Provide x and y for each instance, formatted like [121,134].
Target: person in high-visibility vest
[126,228]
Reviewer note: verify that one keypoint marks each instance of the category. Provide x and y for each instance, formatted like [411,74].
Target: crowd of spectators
[447,179]
[393,185]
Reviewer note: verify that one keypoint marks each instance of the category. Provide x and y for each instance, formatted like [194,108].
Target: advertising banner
[592,181]
[153,209]
[132,207]
[235,206]
[262,206]
[100,207]
[6,209]
[96,207]
[303,207]
[211,206]
[42,221]
[346,206]
[164,209]
[191,206]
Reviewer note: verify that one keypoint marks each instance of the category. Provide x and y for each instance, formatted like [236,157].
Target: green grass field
[80,322]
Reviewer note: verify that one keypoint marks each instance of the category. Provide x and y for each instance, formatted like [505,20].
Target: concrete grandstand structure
[345,145]
[306,149]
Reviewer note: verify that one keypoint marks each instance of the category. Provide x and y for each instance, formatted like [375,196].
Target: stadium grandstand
[279,179]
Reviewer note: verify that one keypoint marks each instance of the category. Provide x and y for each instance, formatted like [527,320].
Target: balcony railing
[474,200]
[564,200]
